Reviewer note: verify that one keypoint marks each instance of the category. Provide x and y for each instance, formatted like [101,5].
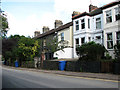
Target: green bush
[90,51]
[117,51]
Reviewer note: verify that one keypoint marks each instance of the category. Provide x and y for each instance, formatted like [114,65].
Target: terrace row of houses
[101,25]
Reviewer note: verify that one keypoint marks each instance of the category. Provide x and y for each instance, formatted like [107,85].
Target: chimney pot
[91,7]
[45,29]
[75,13]
[58,23]
[36,33]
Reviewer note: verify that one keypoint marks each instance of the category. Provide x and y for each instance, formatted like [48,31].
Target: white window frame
[76,42]
[88,23]
[77,25]
[117,13]
[110,41]
[83,23]
[117,37]
[81,40]
[109,13]
[98,20]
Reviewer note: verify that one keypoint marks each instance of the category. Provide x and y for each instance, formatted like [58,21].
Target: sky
[27,16]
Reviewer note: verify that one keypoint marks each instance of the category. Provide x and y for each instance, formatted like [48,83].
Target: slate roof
[54,30]
[96,11]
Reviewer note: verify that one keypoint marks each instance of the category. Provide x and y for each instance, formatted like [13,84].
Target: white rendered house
[111,16]
[87,27]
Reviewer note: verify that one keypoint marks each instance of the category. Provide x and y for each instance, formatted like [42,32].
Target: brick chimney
[75,13]
[36,33]
[58,23]
[45,29]
[91,7]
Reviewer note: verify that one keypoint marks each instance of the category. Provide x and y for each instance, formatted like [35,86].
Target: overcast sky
[27,16]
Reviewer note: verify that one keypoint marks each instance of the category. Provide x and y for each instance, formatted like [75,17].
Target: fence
[77,66]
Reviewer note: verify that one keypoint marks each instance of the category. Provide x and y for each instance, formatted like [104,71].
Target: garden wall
[28,64]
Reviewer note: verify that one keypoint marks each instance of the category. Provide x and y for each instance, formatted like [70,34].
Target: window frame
[88,23]
[81,40]
[98,20]
[62,36]
[110,40]
[76,41]
[117,38]
[77,25]
[117,13]
[83,23]
[109,12]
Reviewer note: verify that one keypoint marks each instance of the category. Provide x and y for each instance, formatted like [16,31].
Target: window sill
[110,49]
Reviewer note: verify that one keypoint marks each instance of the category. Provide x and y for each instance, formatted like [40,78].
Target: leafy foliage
[55,45]
[27,48]
[90,51]
[3,25]
[20,48]
[117,51]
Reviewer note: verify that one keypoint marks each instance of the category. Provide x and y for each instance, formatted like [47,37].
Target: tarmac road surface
[12,78]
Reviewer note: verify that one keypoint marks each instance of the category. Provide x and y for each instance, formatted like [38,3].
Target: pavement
[105,76]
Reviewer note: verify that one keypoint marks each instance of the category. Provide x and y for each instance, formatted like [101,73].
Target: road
[12,78]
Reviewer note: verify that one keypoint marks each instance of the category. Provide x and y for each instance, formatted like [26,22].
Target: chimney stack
[36,33]
[58,23]
[45,29]
[75,13]
[91,7]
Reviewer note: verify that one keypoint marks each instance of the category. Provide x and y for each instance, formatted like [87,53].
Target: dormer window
[117,13]
[83,24]
[108,16]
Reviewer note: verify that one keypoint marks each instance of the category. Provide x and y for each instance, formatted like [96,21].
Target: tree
[54,45]
[90,51]
[9,46]
[27,48]
[3,25]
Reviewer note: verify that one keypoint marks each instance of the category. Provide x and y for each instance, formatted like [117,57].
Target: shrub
[117,51]
[90,51]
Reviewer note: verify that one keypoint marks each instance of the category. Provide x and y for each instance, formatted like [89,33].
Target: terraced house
[100,25]
[111,21]
[63,34]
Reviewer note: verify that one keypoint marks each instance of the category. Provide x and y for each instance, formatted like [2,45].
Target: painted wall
[91,32]
[68,35]
[67,53]
[112,27]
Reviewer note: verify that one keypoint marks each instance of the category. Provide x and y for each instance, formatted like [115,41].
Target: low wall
[28,64]
[66,53]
